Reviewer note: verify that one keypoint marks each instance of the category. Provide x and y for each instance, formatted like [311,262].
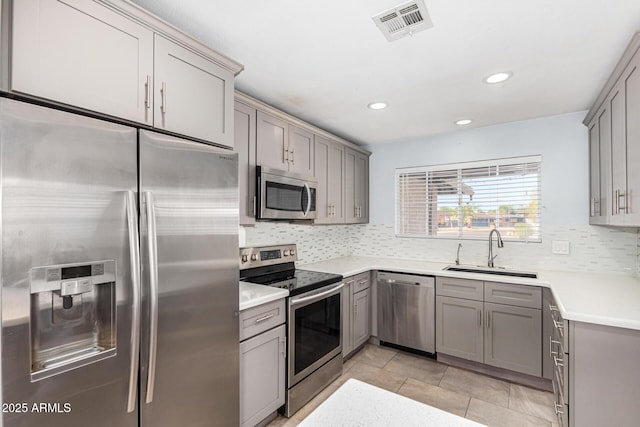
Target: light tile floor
[468,394]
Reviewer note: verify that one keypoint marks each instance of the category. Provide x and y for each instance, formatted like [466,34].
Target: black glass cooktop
[296,281]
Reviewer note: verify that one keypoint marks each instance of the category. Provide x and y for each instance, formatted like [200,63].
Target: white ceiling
[324,61]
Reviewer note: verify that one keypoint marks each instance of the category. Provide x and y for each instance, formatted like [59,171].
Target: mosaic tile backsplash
[592,249]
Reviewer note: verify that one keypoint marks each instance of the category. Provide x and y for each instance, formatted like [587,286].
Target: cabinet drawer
[361,282]
[518,295]
[460,288]
[261,318]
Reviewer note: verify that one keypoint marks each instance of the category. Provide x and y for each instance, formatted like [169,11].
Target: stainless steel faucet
[458,254]
[500,245]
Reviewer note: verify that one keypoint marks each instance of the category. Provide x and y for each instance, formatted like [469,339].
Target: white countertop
[360,404]
[252,295]
[604,299]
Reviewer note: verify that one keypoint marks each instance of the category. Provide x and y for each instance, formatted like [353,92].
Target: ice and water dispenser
[73,316]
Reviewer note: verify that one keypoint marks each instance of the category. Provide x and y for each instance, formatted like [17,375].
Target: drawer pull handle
[551,343]
[558,362]
[558,325]
[262,319]
[553,307]
[557,407]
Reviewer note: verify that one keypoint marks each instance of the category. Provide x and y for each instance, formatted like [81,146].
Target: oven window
[286,197]
[317,331]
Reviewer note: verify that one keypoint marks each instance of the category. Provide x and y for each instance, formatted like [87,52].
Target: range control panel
[267,255]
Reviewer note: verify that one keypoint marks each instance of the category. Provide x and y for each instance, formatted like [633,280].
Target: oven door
[315,330]
[285,195]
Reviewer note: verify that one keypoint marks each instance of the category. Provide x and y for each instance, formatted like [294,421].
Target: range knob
[254,257]
[291,252]
[285,252]
[245,258]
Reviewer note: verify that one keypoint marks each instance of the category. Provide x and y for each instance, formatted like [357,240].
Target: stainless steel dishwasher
[406,310]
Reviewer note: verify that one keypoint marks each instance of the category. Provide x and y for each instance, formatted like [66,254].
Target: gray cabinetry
[459,330]
[356,187]
[614,145]
[499,324]
[245,145]
[329,162]
[193,96]
[281,145]
[262,361]
[143,69]
[356,309]
[53,57]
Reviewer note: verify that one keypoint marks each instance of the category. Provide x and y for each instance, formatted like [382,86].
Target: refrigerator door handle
[134,252]
[153,293]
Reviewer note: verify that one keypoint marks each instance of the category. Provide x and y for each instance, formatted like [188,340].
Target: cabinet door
[321,173]
[193,96]
[513,338]
[351,208]
[604,138]
[335,194]
[262,371]
[594,171]
[459,328]
[347,324]
[362,187]
[300,151]
[632,95]
[616,104]
[361,310]
[245,145]
[83,54]
[272,142]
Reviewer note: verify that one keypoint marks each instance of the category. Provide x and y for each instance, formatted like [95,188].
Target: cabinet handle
[284,347]
[254,206]
[147,88]
[355,309]
[556,407]
[551,343]
[163,98]
[558,325]
[293,157]
[553,307]
[479,319]
[619,208]
[488,320]
[285,154]
[262,319]
[558,362]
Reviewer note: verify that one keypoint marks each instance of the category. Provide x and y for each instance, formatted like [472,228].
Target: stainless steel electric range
[314,318]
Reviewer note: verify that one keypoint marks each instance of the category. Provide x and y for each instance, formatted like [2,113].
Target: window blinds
[468,200]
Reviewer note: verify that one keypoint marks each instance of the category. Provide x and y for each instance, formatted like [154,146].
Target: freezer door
[189,256]
[66,344]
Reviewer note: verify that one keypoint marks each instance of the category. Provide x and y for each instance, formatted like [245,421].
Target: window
[467,200]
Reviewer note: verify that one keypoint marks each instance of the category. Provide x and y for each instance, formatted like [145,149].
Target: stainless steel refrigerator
[119,274]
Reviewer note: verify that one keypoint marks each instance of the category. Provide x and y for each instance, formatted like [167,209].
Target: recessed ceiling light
[498,77]
[463,122]
[377,105]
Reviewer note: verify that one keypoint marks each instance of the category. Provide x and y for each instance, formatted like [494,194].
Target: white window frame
[460,166]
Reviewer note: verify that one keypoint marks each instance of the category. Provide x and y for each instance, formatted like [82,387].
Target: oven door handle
[321,295]
[306,212]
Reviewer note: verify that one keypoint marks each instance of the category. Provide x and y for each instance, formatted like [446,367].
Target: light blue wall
[561,140]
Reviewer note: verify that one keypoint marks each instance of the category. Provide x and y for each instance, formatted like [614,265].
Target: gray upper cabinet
[281,145]
[272,142]
[193,95]
[356,188]
[54,56]
[614,145]
[300,150]
[143,70]
[329,171]
[245,145]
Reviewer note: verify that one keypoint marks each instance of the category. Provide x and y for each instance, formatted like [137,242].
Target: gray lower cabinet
[356,312]
[506,335]
[262,362]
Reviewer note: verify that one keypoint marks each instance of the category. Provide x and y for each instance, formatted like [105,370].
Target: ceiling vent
[403,20]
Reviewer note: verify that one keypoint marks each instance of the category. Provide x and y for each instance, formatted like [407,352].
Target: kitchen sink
[489,270]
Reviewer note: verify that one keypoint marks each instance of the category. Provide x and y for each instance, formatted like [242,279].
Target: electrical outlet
[560,247]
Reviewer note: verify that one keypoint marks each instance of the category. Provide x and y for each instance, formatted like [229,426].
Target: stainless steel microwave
[283,195]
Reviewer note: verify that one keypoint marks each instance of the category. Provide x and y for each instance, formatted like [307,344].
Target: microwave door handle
[306,212]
